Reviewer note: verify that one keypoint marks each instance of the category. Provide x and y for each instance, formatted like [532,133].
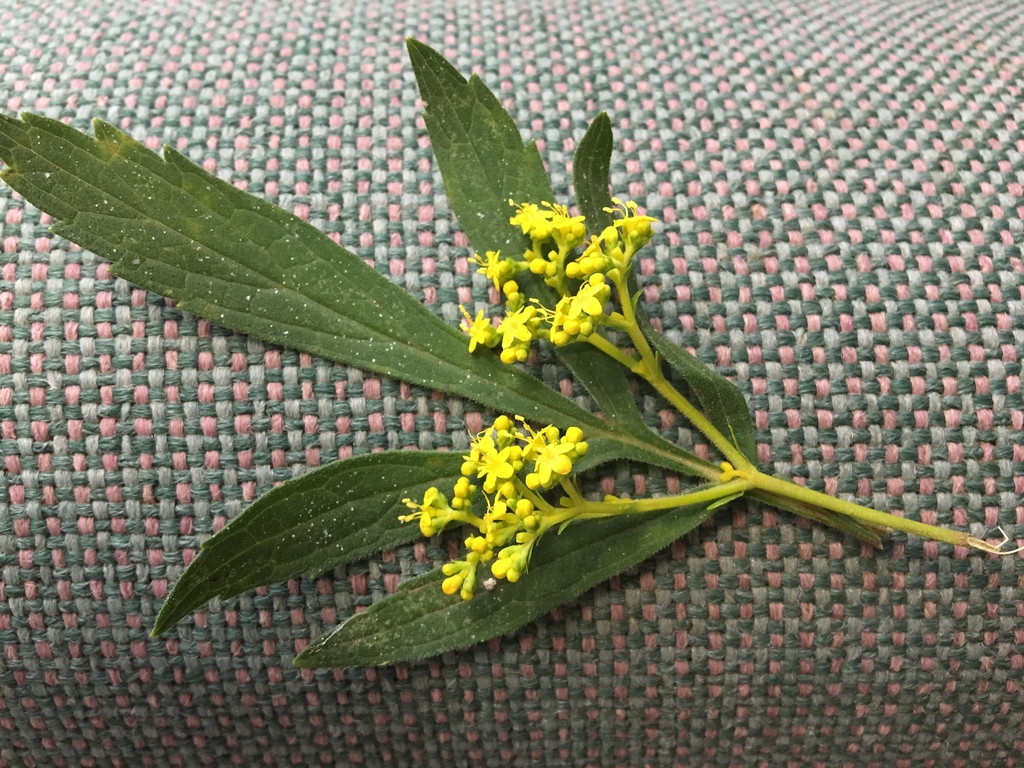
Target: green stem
[864,514]
[702,495]
[571,491]
[791,490]
[695,417]
[648,368]
[616,354]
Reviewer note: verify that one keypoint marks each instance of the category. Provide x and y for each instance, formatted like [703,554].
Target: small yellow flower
[552,456]
[491,464]
[636,229]
[496,269]
[517,330]
[461,576]
[464,493]
[576,317]
[567,231]
[513,561]
[514,299]
[432,513]
[516,326]
[534,222]
[480,330]
[554,223]
[550,464]
[590,299]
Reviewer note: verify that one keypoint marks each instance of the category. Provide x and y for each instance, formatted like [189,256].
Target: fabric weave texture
[840,186]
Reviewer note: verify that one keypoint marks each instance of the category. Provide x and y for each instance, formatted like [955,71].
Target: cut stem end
[993,549]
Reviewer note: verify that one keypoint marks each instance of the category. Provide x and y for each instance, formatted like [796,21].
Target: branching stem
[739,473]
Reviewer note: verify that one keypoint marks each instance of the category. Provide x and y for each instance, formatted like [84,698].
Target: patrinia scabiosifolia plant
[225,255]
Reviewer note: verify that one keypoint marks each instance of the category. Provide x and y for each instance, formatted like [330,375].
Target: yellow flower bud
[500,567]
[452,584]
[561,465]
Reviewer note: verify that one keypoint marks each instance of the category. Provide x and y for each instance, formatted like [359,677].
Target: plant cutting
[534,537]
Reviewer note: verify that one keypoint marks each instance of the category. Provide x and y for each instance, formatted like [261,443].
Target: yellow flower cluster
[514,464]
[615,247]
[552,222]
[579,312]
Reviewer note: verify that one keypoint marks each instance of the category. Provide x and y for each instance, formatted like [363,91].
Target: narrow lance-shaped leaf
[343,511]
[478,148]
[420,620]
[590,173]
[174,229]
[484,163]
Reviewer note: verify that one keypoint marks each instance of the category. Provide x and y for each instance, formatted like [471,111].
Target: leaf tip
[304,660]
[417,49]
[160,626]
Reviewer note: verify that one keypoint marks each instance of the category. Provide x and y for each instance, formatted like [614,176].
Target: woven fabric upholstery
[841,190]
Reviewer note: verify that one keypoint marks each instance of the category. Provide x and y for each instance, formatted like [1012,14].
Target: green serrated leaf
[721,400]
[419,620]
[174,229]
[480,153]
[590,173]
[343,511]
